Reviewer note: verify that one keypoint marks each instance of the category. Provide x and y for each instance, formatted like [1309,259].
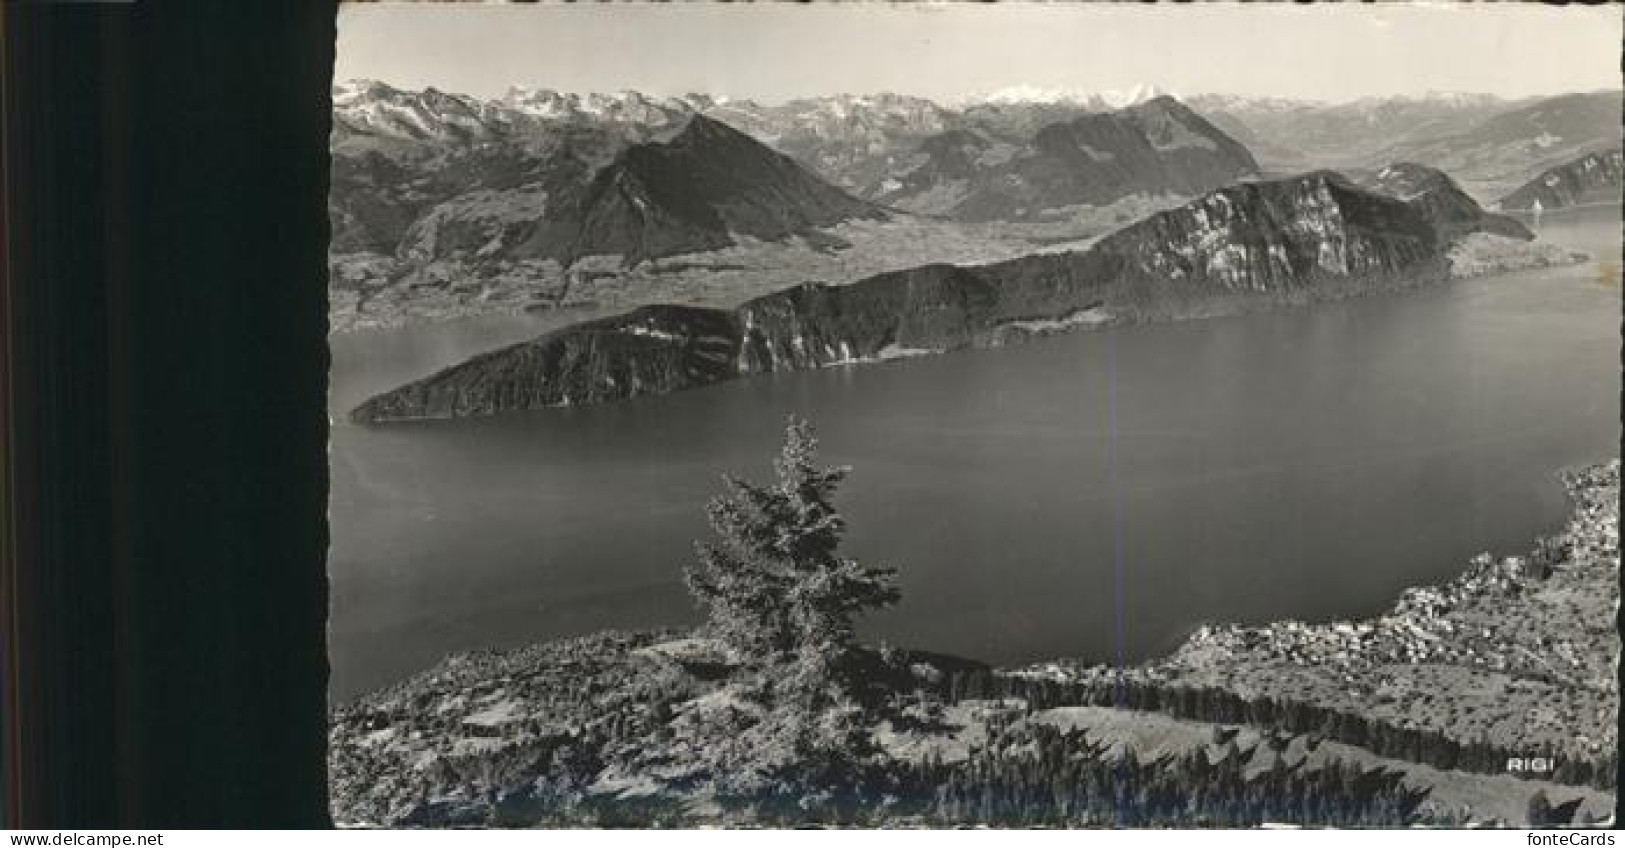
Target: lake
[1302,463]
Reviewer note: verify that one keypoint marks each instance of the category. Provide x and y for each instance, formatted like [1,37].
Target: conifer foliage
[773,583]
[783,600]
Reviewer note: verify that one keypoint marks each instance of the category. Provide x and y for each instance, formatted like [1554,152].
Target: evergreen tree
[1540,809]
[779,594]
[773,584]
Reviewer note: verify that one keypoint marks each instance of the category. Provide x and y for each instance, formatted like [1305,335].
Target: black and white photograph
[944,415]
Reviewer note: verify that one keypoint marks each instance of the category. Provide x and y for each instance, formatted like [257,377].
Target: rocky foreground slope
[1517,656]
[1411,716]
[1297,240]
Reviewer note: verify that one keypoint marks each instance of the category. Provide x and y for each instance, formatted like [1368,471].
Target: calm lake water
[1304,463]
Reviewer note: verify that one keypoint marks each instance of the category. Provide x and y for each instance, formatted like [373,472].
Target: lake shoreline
[1199,260]
[1140,305]
[1274,664]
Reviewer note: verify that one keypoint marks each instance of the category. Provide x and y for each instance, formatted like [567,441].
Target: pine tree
[1540,809]
[782,598]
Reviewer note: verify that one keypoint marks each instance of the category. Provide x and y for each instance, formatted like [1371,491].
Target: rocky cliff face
[1310,237]
[1593,178]
[1274,236]
[1156,147]
[653,350]
[1433,193]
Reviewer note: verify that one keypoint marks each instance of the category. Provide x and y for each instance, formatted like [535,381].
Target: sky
[771,52]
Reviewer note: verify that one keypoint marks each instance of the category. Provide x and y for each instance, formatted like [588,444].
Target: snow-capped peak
[350,92]
[1448,99]
[1133,96]
[1248,103]
[1461,98]
[1037,94]
[1021,94]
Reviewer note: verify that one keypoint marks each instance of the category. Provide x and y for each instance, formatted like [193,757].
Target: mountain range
[697,191]
[1314,236]
[1098,101]
[1508,147]
[431,176]
[1290,135]
[397,154]
[1156,147]
[1592,178]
